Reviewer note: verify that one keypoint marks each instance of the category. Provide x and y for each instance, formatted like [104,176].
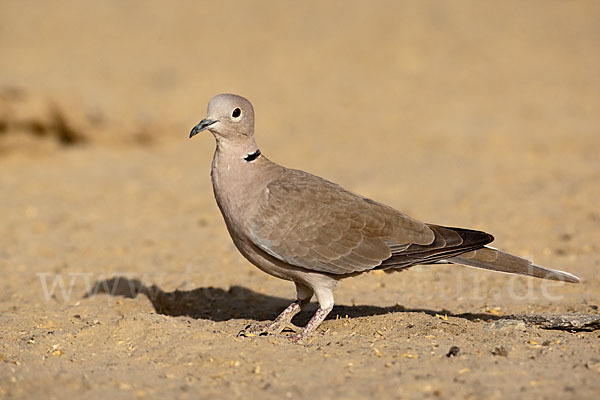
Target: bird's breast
[234,196]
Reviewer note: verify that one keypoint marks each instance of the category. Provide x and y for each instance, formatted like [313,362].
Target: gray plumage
[303,228]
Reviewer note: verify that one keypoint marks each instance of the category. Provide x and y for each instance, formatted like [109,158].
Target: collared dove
[302,228]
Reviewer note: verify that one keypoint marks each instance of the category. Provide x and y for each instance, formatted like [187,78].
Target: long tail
[496,260]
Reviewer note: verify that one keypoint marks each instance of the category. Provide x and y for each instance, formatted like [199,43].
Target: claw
[243,333]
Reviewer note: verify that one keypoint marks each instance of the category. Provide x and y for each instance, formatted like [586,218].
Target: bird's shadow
[238,302]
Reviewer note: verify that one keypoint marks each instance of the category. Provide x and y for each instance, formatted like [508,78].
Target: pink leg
[325,298]
[313,324]
[284,319]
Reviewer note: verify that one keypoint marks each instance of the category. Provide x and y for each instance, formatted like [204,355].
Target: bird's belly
[263,261]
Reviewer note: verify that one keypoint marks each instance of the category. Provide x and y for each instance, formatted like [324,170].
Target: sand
[119,279]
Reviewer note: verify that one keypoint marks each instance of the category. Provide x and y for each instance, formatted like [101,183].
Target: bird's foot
[313,324]
[297,338]
[278,325]
[263,329]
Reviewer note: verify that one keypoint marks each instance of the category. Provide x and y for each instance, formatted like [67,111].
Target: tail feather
[496,260]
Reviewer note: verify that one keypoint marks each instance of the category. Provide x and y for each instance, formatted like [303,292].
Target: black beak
[203,125]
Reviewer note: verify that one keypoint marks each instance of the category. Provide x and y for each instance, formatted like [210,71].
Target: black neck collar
[252,156]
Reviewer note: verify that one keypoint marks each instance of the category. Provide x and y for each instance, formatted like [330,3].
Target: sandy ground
[119,279]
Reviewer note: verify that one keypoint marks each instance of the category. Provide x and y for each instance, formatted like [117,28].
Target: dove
[302,228]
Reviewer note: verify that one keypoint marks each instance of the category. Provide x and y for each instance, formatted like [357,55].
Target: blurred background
[464,113]
[121,70]
[488,106]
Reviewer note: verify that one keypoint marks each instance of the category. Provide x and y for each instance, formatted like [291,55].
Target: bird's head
[229,117]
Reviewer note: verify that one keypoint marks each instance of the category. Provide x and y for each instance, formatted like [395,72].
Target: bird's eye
[236,113]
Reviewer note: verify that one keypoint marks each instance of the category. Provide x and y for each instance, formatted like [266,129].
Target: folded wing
[311,223]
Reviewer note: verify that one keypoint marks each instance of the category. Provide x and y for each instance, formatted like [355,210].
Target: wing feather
[311,223]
